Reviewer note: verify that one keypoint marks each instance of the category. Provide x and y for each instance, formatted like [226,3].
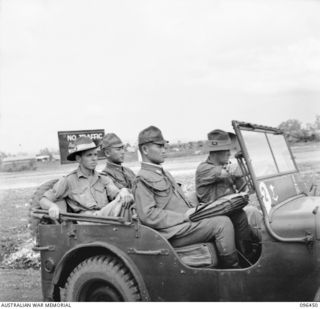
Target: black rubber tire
[34,203]
[101,278]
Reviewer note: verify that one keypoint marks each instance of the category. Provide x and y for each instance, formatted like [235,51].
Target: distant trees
[49,153]
[316,125]
[46,152]
[3,155]
[290,126]
[297,132]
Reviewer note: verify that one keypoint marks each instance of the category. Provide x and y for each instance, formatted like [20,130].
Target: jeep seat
[198,255]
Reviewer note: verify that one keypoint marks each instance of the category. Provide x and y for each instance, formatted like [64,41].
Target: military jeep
[86,258]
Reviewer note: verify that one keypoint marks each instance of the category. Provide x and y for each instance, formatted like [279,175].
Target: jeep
[86,258]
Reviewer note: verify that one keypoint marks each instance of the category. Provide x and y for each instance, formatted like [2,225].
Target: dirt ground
[19,281]
[19,274]
[20,285]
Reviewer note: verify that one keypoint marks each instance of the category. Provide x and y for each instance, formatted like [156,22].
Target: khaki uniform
[122,176]
[83,193]
[210,186]
[161,204]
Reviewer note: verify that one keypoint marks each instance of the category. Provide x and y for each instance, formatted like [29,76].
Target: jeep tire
[101,278]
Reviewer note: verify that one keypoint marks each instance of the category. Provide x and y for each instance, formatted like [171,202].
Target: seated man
[113,148]
[161,204]
[85,190]
[216,178]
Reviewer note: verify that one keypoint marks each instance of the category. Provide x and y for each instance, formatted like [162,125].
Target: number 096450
[308,305]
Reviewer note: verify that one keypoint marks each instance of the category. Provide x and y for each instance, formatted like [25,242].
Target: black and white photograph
[159,151]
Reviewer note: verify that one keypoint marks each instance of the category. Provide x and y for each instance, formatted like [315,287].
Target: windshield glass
[281,153]
[259,153]
[267,162]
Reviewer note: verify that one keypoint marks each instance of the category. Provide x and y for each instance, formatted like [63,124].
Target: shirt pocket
[99,187]
[161,188]
[81,195]
[100,194]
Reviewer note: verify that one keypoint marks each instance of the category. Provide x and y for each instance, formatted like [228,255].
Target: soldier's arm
[206,175]
[150,214]
[132,176]
[113,191]
[58,192]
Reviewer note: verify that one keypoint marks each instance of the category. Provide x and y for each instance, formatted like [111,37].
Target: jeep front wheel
[101,278]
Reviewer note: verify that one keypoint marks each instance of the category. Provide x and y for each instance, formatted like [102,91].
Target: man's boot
[230,260]
[244,236]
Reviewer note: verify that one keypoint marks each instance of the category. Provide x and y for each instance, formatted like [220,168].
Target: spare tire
[34,203]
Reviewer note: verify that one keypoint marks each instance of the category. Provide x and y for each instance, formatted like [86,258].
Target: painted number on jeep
[266,198]
[276,190]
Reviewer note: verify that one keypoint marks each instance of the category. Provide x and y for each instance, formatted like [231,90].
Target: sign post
[67,139]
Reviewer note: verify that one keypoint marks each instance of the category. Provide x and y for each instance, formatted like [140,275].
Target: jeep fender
[58,277]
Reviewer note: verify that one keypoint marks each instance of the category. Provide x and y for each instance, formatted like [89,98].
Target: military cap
[151,135]
[219,140]
[81,144]
[111,140]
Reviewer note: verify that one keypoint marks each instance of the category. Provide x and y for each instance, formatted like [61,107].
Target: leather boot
[230,260]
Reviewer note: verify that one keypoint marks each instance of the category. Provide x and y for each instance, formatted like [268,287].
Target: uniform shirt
[83,193]
[122,176]
[160,203]
[209,183]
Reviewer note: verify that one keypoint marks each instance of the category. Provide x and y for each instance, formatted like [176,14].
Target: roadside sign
[67,139]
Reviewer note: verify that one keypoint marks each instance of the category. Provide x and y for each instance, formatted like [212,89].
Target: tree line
[296,131]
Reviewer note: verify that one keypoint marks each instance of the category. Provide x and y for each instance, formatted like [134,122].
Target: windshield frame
[266,131]
[265,204]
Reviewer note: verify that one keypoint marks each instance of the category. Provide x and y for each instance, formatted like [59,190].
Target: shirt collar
[210,161]
[113,165]
[152,167]
[80,174]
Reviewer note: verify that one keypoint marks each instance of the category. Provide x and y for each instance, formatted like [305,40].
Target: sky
[185,66]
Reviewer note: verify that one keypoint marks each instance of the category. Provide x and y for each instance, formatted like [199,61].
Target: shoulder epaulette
[72,172]
[153,185]
[142,180]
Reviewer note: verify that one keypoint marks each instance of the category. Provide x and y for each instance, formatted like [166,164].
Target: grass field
[14,226]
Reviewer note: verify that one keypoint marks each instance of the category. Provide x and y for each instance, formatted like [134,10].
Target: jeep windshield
[268,153]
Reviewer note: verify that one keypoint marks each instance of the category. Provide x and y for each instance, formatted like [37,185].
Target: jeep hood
[297,217]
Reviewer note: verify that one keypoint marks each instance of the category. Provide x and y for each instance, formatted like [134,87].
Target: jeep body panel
[297,217]
[163,277]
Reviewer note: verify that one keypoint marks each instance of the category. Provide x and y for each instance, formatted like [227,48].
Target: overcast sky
[185,66]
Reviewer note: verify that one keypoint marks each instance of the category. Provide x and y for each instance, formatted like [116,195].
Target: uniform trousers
[215,229]
[228,233]
[243,234]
